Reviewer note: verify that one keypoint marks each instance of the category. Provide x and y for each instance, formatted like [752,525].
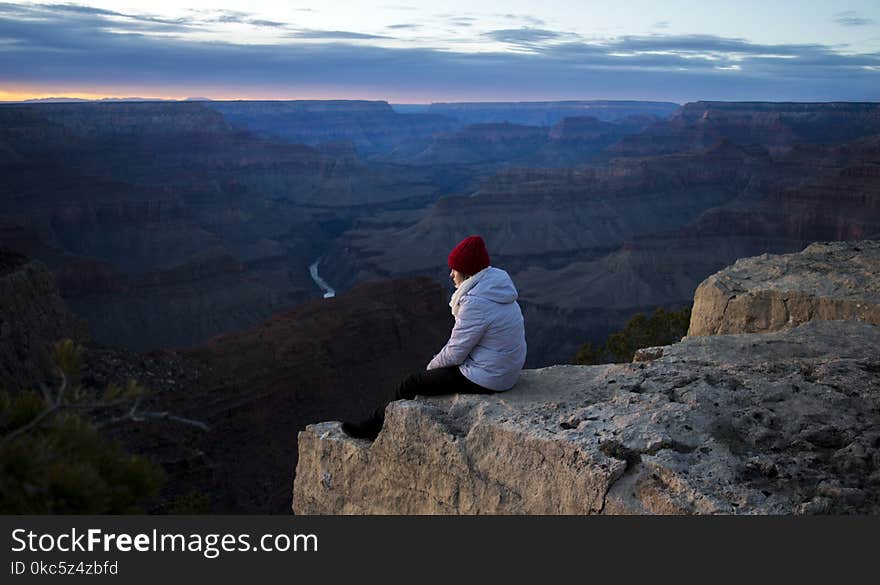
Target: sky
[420,52]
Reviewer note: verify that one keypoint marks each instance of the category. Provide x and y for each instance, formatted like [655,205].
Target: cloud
[529,20]
[333,34]
[233,17]
[77,9]
[661,24]
[81,10]
[86,16]
[684,55]
[523,36]
[462,21]
[77,16]
[695,43]
[89,48]
[404,26]
[851,18]
[267,23]
[228,16]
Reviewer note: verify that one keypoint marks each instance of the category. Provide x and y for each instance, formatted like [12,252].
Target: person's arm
[469,328]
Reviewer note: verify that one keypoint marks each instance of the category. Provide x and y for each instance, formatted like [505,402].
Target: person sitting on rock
[487,348]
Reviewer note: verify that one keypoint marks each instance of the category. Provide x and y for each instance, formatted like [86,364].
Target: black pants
[437,382]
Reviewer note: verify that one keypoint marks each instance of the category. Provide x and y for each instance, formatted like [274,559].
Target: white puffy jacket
[488,340]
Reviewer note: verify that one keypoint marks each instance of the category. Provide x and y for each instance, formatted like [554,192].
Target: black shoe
[365,429]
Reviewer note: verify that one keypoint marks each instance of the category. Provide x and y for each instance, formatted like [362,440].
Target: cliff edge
[748,423]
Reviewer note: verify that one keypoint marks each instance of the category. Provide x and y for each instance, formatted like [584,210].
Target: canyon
[167,223]
[175,240]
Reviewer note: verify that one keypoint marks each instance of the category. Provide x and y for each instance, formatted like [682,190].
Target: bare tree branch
[61,388]
[31,425]
[47,394]
[55,407]
[67,356]
[135,406]
[140,416]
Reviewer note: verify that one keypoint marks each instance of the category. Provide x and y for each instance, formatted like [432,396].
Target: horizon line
[78,97]
[136,99]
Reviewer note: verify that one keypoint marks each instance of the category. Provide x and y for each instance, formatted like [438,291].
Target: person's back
[499,354]
[487,347]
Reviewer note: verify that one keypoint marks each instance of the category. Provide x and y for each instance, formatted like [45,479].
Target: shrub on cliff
[661,328]
[53,459]
[66,467]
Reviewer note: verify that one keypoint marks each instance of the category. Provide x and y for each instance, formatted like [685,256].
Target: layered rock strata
[777,126]
[368,126]
[164,224]
[549,113]
[590,247]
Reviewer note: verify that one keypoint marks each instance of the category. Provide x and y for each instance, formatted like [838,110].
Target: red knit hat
[469,256]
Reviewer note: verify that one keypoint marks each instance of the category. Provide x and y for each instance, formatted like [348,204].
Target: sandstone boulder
[826,281]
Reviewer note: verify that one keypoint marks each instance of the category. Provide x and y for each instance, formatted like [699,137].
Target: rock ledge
[777,423]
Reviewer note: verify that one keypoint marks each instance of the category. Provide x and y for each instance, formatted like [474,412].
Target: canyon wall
[164,224]
[777,126]
[368,126]
[571,141]
[549,113]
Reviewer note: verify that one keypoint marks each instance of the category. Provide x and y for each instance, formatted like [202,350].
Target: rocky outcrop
[754,423]
[33,318]
[775,423]
[828,281]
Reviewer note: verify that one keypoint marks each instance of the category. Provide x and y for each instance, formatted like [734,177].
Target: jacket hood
[495,285]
